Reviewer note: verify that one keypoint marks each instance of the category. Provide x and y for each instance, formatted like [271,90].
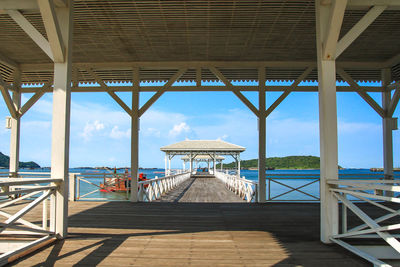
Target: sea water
[277,186]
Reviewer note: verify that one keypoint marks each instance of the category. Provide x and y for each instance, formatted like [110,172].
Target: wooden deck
[191,234]
[201,189]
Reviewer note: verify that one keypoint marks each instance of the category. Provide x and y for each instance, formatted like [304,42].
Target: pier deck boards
[201,189]
[191,234]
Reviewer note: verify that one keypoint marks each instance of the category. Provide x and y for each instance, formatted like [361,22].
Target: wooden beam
[393,103]
[120,102]
[246,101]
[52,27]
[109,91]
[26,67]
[335,24]
[236,91]
[32,32]
[358,28]
[33,100]
[361,92]
[364,4]
[287,92]
[7,98]
[27,4]
[159,93]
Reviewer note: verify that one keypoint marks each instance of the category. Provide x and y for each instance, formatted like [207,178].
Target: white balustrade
[153,189]
[26,194]
[244,188]
[350,193]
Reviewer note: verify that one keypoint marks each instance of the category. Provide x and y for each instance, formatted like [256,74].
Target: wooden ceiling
[197,30]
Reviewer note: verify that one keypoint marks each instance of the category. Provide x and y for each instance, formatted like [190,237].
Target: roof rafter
[7,98]
[337,10]
[32,32]
[109,91]
[53,31]
[358,28]
[287,92]
[361,92]
[236,91]
[160,92]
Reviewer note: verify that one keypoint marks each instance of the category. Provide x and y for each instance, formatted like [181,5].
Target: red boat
[119,183]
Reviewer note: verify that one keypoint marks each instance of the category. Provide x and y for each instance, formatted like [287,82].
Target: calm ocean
[273,188]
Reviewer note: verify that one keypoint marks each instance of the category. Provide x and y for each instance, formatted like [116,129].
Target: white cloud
[179,129]
[90,128]
[116,133]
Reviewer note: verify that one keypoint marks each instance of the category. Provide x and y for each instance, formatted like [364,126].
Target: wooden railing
[244,188]
[383,194]
[153,189]
[286,183]
[93,184]
[26,194]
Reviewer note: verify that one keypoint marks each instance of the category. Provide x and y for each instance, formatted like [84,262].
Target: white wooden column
[262,191]
[238,171]
[190,163]
[215,164]
[387,129]
[327,35]
[183,166]
[135,136]
[61,124]
[166,164]
[15,127]
[169,166]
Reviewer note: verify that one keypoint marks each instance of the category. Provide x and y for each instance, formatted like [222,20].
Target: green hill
[5,163]
[290,162]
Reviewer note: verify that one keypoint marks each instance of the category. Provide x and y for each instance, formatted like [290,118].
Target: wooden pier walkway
[191,234]
[201,189]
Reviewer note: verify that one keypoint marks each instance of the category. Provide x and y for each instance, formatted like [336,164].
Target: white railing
[153,189]
[382,194]
[291,183]
[83,186]
[242,187]
[26,194]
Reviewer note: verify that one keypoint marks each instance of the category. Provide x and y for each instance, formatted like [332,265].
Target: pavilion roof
[202,146]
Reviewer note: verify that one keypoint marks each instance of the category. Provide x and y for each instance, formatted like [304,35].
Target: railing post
[45,214]
[71,194]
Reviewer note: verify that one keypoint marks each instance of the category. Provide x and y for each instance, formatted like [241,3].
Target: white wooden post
[327,36]
[238,170]
[61,125]
[387,130]
[169,165]
[222,165]
[166,165]
[261,137]
[191,164]
[215,164]
[135,136]
[183,165]
[15,127]
[71,187]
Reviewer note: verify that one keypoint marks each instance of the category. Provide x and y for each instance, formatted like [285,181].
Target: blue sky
[100,129]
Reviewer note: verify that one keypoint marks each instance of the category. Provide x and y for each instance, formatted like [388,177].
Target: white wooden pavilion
[63,46]
[203,150]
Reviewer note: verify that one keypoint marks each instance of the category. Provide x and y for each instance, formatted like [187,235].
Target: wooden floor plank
[191,234]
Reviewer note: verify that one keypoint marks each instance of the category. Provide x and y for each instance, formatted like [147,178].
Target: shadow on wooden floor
[196,234]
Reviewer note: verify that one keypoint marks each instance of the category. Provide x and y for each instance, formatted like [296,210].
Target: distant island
[290,162]
[5,163]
